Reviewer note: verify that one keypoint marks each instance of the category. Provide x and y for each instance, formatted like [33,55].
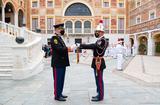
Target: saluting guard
[98,62]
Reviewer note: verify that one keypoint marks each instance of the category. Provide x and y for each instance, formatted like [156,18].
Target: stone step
[5,47]
[6,66]
[5,71]
[6,54]
[5,76]
[6,61]
[6,58]
[5,51]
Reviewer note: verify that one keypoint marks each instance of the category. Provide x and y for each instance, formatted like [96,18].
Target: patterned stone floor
[79,86]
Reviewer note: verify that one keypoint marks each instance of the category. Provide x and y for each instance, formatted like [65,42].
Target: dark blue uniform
[59,62]
[98,52]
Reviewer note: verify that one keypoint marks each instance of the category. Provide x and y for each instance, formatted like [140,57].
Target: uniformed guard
[120,50]
[98,62]
[59,61]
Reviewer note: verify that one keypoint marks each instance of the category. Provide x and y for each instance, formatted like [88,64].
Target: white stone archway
[20,18]
[156,44]
[131,43]
[9,13]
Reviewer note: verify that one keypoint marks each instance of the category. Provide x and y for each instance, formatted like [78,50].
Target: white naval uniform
[119,51]
[133,51]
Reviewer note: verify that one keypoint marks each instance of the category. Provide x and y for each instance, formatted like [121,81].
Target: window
[49,3]
[87,27]
[121,24]
[152,15]
[106,22]
[78,27]
[121,5]
[105,4]
[68,26]
[138,3]
[138,19]
[78,9]
[20,2]
[34,24]
[49,25]
[34,4]
[133,21]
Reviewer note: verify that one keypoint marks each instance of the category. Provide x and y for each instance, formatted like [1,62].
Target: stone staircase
[19,60]
[6,62]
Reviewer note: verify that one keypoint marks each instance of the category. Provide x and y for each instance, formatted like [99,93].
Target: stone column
[24,21]
[135,44]
[3,13]
[150,44]
[16,19]
[73,27]
[82,30]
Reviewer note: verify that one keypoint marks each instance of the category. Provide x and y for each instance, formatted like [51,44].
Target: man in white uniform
[120,51]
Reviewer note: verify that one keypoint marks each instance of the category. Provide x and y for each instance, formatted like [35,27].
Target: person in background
[120,50]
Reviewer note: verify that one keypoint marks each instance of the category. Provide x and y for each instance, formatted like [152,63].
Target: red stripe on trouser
[100,85]
[55,82]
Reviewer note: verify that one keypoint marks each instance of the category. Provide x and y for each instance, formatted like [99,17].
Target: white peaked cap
[100,26]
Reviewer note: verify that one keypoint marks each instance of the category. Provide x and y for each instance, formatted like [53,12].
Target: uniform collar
[100,37]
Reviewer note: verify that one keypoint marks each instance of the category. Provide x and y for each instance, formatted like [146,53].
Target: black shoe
[63,96]
[60,99]
[96,99]
[95,96]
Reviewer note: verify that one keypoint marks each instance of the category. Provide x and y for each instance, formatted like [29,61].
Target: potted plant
[142,49]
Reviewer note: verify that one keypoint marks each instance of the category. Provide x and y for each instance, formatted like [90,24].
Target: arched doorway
[142,48]
[20,18]
[157,44]
[9,13]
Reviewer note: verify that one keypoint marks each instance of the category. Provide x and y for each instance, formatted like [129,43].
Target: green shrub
[158,48]
[142,48]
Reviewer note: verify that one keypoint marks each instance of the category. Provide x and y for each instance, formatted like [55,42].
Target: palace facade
[136,21]
[80,17]
[144,26]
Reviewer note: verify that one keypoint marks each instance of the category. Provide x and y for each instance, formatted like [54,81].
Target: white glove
[77,44]
[73,47]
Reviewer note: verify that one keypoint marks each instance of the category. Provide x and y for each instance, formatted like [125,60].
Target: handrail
[17,31]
